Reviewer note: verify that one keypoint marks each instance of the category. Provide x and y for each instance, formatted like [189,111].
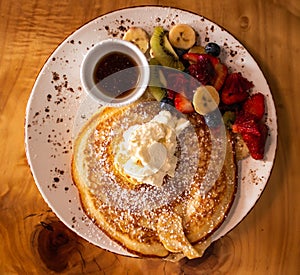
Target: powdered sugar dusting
[108,185]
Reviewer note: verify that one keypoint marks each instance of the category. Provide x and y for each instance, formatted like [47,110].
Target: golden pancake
[175,220]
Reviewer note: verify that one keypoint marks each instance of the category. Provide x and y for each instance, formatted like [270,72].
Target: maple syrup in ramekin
[116,74]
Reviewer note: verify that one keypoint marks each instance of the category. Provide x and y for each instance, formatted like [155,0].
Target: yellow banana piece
[206,99]
[182,36]
[139,37]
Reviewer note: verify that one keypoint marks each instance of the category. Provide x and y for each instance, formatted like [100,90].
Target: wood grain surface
[34,241]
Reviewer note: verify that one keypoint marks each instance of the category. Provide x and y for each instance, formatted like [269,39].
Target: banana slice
[206,99]
[163,51]
[197,49]
[139,37]
[182,36]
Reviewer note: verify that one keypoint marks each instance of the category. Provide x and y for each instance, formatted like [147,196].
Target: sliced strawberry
[256,144]
[207,69]
[253,132]
[236,89]
[182,104]
[170,94]
[245,124]
[214,60]
[192,57]
[203,70]
[177,81]
[255,105]
[221,74]
[198,57]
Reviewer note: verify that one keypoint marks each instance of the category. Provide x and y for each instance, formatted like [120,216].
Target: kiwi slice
[163,51]
[157,80]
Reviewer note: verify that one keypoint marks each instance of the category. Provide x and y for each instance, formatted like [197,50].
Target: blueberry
[213,49]
[166,103]
[167,100]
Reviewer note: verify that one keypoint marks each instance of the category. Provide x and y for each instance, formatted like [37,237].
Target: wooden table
[266,242]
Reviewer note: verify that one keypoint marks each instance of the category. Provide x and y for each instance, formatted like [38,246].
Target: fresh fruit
[236,89]
[228,119]
[139,37]
[256,143]
[163,51]
[206,99]
[170,94]
[182,36]
[213,49]
[255,105]
[207,69]
[198,57]
[241,149]
[157,83]
[253,132]
[182,104]
[180,52]
[242,113]
[167,100]
[167,103]
[221,74]
[193,58]
[197,49]
[245,123]
[250,126]
[202,70]
[178,82]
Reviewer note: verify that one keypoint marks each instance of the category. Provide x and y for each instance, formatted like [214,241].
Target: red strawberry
[221,74]
[177,81]
[203,71]
[255,105]
[256,144]
[207,69]
[170,94]
[253,132]
[198,57]
[236,89]
[245,123]
[192,57]
[182,104]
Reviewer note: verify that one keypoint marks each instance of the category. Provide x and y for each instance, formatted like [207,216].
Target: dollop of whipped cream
[147,151]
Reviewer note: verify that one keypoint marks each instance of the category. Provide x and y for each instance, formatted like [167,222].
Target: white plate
[58,107]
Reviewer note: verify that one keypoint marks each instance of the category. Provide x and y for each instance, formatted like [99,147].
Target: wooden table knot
[244,23]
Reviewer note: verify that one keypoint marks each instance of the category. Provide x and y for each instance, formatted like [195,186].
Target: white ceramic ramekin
[91,60]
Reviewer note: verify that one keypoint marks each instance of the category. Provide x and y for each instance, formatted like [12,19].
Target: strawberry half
[207,69]
[236,89]
[182,104]
[253,132]
[221,74]
[203,70]
[256,144]
[245,124]
[193,57]
[255,105]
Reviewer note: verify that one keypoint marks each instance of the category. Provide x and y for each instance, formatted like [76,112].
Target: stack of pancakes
[134,215]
